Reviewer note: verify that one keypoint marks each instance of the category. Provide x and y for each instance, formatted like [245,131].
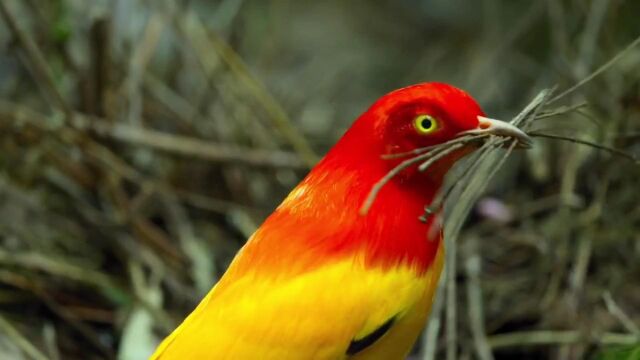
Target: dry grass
[141,143]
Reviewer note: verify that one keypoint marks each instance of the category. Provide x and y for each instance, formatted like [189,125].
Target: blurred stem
[616,311]
[588,219]
[608,149]
[598,71]
[474,299]
[590,36]
[19,340]
[158,140]
[39,67]
[452,326]
[430,339]
[239,68]
[64,313]
[551,337]
[485,168]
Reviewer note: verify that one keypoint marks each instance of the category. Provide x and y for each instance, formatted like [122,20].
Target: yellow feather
[314,315]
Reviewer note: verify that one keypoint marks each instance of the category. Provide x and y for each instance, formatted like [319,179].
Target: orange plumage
[320,280]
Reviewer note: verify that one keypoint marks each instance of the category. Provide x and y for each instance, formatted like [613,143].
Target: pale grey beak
[501,128]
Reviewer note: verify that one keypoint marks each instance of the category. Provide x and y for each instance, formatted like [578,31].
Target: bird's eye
[425,124]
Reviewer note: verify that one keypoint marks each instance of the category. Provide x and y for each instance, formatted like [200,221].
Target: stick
[598,71]
[553,337]
[436,154]
[475,308]
[608,149]
[461,139]
[616,311]
[20,340]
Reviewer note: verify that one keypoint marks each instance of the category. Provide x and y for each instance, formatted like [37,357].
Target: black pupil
[426,123]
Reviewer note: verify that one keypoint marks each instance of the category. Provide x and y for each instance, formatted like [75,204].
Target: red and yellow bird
[321,280]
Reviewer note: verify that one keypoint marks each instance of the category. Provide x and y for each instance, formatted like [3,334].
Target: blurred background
[141,143]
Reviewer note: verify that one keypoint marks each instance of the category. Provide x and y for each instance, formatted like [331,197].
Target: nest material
[135,161]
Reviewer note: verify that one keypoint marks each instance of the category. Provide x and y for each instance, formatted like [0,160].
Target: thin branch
[532,107]
[598,71]
[157,140]
[462,139]
[616,311]
[553,337]
[202,37]
[425,165]
[459,183]
[45,81]
[62,312]
[452,300]
[430,339]
[39,66]
[21,341]
[608,149]
[475,308]
[472,190]
[562,110]
[442,196]
[435,153]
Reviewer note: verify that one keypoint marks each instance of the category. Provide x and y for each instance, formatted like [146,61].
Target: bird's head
[362,196]
[420,116]
[430,114]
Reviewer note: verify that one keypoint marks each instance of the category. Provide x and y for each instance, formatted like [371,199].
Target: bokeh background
[141,143]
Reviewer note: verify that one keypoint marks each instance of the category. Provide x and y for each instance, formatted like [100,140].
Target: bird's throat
[323,221]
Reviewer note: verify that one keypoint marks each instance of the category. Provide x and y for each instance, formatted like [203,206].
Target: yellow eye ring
[425,124]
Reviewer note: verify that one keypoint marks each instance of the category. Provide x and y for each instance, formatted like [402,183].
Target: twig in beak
[437,152]
[562,110]
[460,139]
[425,165]
[608,149]
[461,181]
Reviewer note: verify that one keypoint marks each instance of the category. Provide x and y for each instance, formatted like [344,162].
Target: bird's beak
[500,128]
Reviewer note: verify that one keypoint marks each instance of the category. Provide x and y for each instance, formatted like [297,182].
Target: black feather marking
[357,345]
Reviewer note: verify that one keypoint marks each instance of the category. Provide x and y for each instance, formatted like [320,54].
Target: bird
[322,279]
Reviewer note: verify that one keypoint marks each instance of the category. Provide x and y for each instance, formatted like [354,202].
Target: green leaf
[631,352]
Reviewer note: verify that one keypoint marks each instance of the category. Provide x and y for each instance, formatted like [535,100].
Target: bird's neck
[322,215]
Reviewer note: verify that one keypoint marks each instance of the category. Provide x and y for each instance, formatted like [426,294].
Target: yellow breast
[314,315]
